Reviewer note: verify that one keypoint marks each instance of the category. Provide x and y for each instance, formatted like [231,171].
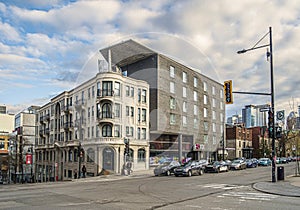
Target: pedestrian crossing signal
[228,92]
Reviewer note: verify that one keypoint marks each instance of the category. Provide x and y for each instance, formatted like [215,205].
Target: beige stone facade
[88,125]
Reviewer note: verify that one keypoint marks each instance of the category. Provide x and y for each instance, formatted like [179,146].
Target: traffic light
[278,132]
[271,123]
[126,142]
[228,92]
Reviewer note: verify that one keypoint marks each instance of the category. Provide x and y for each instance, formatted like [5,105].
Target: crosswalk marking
[222,186]
[250,196]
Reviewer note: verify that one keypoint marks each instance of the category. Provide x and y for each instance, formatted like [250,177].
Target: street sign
[280,115]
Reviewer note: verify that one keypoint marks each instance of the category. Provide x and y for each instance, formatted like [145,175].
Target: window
[129,131]
[184,106]
[205,112]
[213,115]
[88,132]
[127,110]
[117,110]
[97,131]
[117,132]
[107,88]
[172,119]
[221,93]
[221,105]
[89,93]
[214,139]
[139,133]
[144,94]
[141,155]
[195,123]
[195,110]
[70,155]
[93,91]
[213,90]
[131,111]
[221,128]
[172,71]
[205,99]
[184,77]
[205,138]
[92,131]
[132,91]
[172,103]
[143,133]
[205,86]
[127,89]
[139,114]
[90,155]
[144,115]
[221,117]
[184,92]
[117,89]
[98,88]
[93,112]
[106,131]
[172,87]
[214,127]
[184,121]
[89,112]
[195,95]
[106,111]
[214,102]
[195,81]
[205,125]
[139,95]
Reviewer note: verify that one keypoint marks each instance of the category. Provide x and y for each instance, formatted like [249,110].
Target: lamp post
[269,54]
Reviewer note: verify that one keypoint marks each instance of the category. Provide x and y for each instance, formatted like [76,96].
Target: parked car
[238,164]
[166,168]
[216,166]
[278,160]
[264,162]
[190,168]
[284,160]
[250,163]
[227,163]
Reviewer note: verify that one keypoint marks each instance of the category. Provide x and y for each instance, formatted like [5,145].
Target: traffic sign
[280,115]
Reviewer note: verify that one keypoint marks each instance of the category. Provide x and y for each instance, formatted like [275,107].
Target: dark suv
[190,168]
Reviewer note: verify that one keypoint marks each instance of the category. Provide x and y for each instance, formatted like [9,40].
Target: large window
[141,155]
[172,103]
[90,155]
[184,106]
[205,86]
[172,71]
[172,119]
[106,131]
[184,77]
[195,110]
[127,89]
[205,112]
[205,99]
[117,130]
[172,87]
[195,96]
[117,89]
[144,94]
[107,88]
[195,81]
[106,111]
[184,121]
[184,94]
[144,115]
[117,110]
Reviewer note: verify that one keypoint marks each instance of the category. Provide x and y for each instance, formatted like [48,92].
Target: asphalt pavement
[290,186]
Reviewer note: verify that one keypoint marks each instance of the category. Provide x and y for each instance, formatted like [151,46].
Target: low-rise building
[87,126]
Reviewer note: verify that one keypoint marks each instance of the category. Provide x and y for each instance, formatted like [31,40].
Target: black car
[216,167]
[190,168]
[166,168]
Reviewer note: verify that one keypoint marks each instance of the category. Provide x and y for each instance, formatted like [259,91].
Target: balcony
[105,117]
[67,108]
[68,125]
[104,94]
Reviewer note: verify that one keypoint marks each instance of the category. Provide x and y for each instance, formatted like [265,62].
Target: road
[228,190]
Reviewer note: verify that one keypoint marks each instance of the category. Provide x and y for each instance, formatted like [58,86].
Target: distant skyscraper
[254,115]
[234,119]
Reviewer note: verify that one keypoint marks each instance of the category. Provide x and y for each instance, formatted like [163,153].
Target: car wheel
[176,175]
[189,173]
[201,172]
[168,173]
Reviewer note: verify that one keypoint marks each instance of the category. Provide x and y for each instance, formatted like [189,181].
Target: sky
[47,47]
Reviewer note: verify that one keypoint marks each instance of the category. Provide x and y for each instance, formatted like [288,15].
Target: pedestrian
[75,174]
[83,171]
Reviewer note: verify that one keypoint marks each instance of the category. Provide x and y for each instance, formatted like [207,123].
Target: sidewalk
[288,187]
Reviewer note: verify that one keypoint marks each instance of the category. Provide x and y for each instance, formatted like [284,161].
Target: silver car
[166,168]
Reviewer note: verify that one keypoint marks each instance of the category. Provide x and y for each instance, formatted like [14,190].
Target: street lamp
[269,54]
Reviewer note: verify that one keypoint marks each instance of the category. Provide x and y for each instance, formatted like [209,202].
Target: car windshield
[236,161]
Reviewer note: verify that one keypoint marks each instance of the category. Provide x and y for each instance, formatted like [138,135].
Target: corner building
[88,124]
[186,108]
